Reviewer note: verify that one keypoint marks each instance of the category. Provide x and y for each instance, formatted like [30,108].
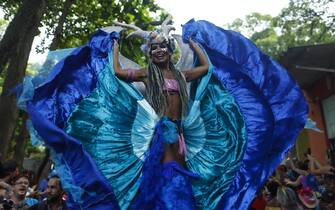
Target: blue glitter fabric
[164,185]
[177,192]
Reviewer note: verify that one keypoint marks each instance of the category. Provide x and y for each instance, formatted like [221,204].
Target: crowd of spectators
[295,185]
[299,185]
[17,192]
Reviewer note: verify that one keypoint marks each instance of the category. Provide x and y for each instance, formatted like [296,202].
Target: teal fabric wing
[215,137]
[115,125]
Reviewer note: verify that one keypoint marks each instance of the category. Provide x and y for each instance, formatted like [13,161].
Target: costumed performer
[210,146]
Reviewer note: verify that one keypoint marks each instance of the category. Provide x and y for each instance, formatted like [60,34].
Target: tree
[81,18]
[306,23]
[3,25]
[303,22]
[60,25]
[15,47]
[261,29]
[21,139]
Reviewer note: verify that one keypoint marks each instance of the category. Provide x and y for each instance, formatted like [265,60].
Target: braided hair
[155,91]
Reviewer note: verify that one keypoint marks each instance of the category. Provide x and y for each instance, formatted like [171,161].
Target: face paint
[157,48]
[159,52]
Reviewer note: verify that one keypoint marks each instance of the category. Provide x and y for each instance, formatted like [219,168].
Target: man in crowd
[7,172]
[54,199]
[20,185]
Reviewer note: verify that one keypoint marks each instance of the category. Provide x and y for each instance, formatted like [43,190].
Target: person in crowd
[259,202]
[7,171]
[55,195]
[20,184]
[317,169]
[308,170]
[288,199]
[271,195]
[307,184]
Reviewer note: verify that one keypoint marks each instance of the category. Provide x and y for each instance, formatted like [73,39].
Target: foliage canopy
[303,22]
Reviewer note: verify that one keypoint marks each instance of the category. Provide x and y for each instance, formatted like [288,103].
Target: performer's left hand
[192,43]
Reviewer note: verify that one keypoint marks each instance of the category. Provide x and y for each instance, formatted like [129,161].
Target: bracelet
[131,74]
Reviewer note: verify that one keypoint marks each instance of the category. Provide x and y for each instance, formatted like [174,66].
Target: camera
[7,204]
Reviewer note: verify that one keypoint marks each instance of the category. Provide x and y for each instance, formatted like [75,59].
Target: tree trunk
[18,59]
[20,146]
[60,26]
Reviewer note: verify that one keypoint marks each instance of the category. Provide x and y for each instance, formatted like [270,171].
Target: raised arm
[198,71]
[129,75]
[295,183]
[297,170]
[317,169]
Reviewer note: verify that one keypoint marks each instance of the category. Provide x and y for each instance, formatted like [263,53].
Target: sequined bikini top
[171,85]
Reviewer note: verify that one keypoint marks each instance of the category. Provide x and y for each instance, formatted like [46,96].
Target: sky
[219,12]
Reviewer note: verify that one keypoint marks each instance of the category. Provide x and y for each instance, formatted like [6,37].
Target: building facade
[314,69]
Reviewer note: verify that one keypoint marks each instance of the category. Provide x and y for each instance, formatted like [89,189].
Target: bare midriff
[173,111]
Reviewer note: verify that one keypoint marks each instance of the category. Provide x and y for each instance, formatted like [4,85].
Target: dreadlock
[155,91]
